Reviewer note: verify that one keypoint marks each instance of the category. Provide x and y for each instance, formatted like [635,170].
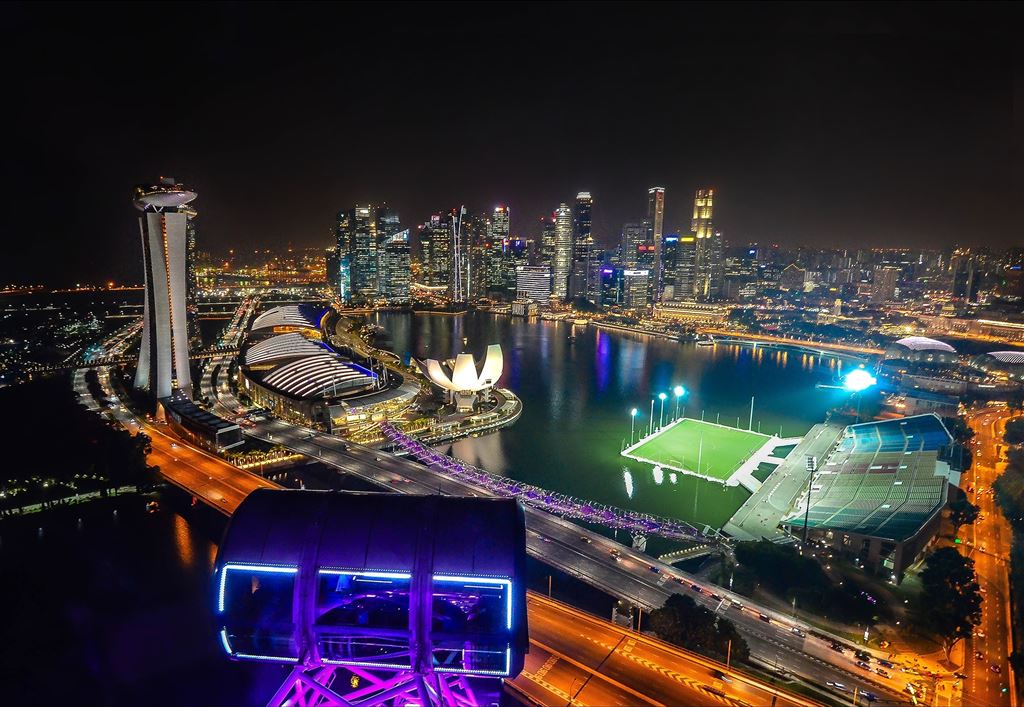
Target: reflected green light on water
[577,396]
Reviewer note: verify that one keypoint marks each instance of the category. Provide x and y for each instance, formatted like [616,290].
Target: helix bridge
[555,503]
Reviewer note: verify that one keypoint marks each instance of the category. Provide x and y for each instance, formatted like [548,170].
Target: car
[764,617]
[174,445]
[840,687]
[585,539]
[863,655]
[885,663]
[797,632]
[653,569]
[680,580]
[862,665]
[836,647]
[995,668]
[979,634]
[696,588]
[736,605]
[978,655]
[960,676]
[869,696]
[716,597]
[719,675]
[883,673]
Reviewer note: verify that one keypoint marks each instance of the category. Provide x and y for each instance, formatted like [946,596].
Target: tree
[949,606]
[962,512]
[1014,431]
[681,622]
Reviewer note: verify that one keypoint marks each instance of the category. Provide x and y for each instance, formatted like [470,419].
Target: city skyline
[797,159]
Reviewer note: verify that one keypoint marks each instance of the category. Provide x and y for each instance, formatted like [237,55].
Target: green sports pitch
[722,450]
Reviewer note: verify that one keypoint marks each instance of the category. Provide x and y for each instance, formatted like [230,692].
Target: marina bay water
[578,384]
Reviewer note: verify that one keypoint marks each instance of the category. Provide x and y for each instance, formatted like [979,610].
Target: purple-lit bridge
[550,501]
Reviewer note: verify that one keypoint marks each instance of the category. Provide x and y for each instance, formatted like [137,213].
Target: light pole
[650,427]
[679,391]
[632,424]
[661,418]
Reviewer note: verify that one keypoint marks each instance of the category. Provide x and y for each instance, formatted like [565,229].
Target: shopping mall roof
[880,480]
[923,343]
[305,316]
[289,345]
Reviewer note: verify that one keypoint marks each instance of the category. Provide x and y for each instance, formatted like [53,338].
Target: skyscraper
[357,251]
[582,246]
[708,254]
[883,287]
[685,285]
[634,237]
[547,242]
[192,278]
[563,252]
[499,228]
[395,270]
[435,251]
[163,356]
[655,223]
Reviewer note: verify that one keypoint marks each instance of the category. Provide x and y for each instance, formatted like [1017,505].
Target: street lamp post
[632,424]
[679,391]
[661,418]
[650,426]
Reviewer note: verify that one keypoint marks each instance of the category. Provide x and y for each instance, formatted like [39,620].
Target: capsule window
[362,617]
[256,604]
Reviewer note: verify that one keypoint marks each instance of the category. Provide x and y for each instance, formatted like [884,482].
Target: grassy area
[720,450]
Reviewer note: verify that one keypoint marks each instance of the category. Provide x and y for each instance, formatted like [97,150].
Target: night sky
[827,125]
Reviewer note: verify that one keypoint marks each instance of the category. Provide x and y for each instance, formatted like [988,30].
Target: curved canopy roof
[282,346]
[464,377]
[923,343]
[1012,357]
[307,316]
[318,375]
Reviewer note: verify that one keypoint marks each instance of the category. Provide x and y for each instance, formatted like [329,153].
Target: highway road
[593,661]
[988,544]
[202,474]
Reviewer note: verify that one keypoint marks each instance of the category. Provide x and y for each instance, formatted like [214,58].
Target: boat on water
[581,322]
[707,340]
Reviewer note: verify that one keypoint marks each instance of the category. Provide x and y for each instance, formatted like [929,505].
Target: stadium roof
[880,480]
[282,346]
[923,343]
[306,316]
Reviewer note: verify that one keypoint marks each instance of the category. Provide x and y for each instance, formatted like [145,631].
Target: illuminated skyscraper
[655,223]
[708,251]
[357,252]
[684,287]
[634,237]
[883,286]
[563,252]
[395,270]
[582,246]
[499,228]
[547,242]
[163,356]
[435,251]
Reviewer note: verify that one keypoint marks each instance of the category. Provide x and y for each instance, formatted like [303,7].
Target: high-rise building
[655,223]
[547,242]
[435,241]
[195,336]
[966,280]
[163,356]
[883,287]
[395,271]
[582,246]
[635,288]
[533,282]
[685,283]
[563,252]
[356,233]
[634,237]
[708,256]
[500,222]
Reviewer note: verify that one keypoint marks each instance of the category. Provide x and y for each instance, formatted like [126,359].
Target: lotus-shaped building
[461,379]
